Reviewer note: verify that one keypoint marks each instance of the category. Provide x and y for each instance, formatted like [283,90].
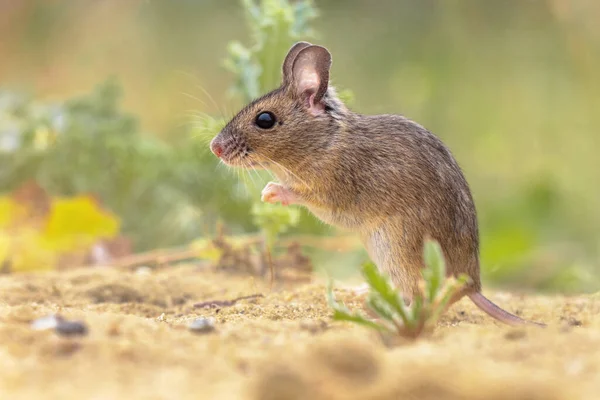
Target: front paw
[274,192]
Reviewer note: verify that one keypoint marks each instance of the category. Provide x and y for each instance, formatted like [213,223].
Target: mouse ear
[289,60]
[310,73]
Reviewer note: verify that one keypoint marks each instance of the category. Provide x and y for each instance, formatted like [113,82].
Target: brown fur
[384,177]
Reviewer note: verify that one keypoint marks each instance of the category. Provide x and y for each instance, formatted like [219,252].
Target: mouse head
[289,125]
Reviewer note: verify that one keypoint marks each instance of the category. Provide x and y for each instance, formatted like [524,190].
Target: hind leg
[392,260]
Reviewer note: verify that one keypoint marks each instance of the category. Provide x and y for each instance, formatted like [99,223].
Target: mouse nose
[216,148]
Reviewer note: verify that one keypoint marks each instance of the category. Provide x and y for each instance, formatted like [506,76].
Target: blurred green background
[119,98]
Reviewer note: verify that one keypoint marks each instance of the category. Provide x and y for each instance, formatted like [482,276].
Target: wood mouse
[384,177]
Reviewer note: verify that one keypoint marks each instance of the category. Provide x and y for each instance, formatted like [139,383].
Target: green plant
[395,316]
[274,221]
[164,193]
[87,144]
[274,25]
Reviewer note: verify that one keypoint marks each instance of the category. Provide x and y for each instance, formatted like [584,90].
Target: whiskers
[205,92]
[288,171]
[248,165]
[236,152]
[245,170]
[204,126]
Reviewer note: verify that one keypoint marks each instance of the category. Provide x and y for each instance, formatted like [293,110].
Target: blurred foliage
[36,231]
[87,145]
[274,25]
[511,87]
[274,220]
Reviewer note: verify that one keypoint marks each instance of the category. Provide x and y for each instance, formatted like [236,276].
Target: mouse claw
[274,192]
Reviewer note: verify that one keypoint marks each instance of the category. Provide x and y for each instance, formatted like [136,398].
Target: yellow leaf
[26,251]
[10,211]
[5,242]
[77,223]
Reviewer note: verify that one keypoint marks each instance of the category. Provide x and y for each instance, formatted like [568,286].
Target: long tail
[496,312]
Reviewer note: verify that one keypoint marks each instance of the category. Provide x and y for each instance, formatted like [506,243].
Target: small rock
[71,328]
[45,323]
[60,325]
[202,325]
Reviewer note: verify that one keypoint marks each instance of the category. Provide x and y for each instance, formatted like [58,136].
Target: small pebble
[60,325]
[71,328]
[45,323]
[202,325]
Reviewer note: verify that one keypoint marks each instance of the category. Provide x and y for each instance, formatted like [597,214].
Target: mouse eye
[265,120]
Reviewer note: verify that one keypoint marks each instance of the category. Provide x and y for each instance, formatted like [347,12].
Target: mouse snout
[216,147]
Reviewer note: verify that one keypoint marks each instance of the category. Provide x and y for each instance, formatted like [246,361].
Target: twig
[225,303]
[163,256]
[170,255]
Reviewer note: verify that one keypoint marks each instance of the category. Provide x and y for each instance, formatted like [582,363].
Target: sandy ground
[280,346]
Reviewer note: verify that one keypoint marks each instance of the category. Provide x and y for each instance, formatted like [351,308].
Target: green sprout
[394,315]
[275,25]
[274,221]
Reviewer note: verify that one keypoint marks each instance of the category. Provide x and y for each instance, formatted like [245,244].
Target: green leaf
[383,287]
[417,310]
[450,289]
[435,268]
[339,315]
[381,308]
[274,220]
[342,313]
